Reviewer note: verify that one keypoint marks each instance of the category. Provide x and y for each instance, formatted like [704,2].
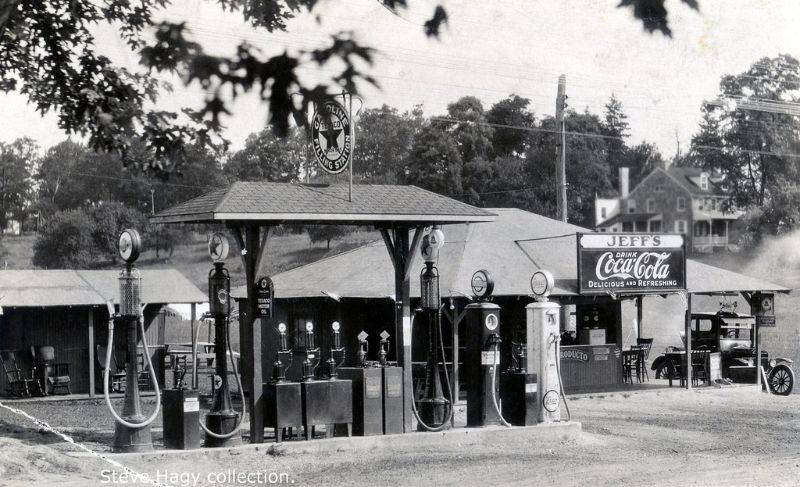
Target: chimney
[623,182]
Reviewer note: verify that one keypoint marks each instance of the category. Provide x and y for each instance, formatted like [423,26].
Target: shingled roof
[321,203]
[511,248]
[42,288]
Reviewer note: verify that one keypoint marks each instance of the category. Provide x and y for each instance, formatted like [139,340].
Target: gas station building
[356,289]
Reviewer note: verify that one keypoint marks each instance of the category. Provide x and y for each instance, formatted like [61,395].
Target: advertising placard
[632,263]
[264,294]
[763,305]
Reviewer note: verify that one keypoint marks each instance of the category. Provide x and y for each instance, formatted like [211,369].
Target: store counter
[587,368]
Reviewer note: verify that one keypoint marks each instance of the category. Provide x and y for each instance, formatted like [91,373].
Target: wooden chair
[699,366]
[19,383]
[116,377]
[630,364]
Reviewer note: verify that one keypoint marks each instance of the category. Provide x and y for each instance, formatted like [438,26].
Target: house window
[681,203]
[659,188]
[627,226]
[680,226]
[655,225]
[603,229]
[651,205]
[602,212]
[631,206]
[704,182]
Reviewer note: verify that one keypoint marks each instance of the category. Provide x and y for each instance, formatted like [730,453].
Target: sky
[491,49]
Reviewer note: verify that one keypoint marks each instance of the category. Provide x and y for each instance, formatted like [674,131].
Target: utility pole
[561,150]
[152,201]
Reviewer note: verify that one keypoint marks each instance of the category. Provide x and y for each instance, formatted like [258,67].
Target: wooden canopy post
[639,315]
[688,326]
[251,242]
[756,339]
[455,318]
[91,353]
[401,253]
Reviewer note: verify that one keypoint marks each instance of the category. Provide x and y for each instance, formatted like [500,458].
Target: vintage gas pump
[282,398]
[222,422]
[132,429]
[543,348]
[433,411]
[482,357]
[312,359]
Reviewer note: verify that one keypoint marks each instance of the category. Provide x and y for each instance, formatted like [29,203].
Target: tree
[746,133]
[48,52]
[467,124]
[266,157]
[615,127]
[642,159]
[383,143]
[514,114]
[326,233]
[586,168]
[17,162]
[65,241]
[435,162]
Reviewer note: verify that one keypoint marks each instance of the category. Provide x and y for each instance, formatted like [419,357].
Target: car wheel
[781,380]
[664,371]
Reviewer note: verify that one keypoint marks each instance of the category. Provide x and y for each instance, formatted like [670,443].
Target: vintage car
[731,334]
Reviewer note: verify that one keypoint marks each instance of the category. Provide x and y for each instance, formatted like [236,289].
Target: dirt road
[667,437]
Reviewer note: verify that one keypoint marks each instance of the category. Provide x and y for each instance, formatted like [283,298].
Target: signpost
[631,263]
[264,294]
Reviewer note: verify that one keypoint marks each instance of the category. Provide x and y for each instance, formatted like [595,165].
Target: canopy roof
[511,248]
[42,288]
[321,203]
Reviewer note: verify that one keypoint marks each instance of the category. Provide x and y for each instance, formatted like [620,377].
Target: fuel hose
[444,424]
[241,392]
[556,340]
[106,374]
[494,390]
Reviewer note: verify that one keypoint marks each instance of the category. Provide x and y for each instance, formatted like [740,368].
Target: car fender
[658,361]
[781,360]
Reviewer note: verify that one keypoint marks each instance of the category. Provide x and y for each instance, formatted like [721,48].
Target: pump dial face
[218,247]
[482,284]
[542,283]
[282,327]
[129,245]
[491,322]
[309,326]
[335,326]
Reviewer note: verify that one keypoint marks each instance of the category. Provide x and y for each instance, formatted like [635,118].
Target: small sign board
[332,137]
[763,305]
[631,263]
[264,294]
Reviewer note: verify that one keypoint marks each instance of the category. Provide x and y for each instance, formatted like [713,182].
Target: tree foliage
[266,157]
[49,53]
[384,138]
[327,233]
[17,163]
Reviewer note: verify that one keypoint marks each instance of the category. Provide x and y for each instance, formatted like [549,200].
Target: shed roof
[511,248]
[321,203]
[42,288]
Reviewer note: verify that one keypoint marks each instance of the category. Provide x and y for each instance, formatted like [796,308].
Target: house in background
[683,200]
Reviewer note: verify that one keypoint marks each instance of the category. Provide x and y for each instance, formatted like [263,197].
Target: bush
[65,241]
[326,233]
[82,238]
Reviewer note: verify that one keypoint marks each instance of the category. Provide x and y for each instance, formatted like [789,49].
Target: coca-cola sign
[631,263]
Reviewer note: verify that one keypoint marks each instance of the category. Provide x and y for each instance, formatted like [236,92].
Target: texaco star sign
[331,137]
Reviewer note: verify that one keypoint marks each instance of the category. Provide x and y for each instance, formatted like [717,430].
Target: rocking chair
[19,384]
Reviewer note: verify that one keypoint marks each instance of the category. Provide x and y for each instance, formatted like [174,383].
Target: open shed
[66,309]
